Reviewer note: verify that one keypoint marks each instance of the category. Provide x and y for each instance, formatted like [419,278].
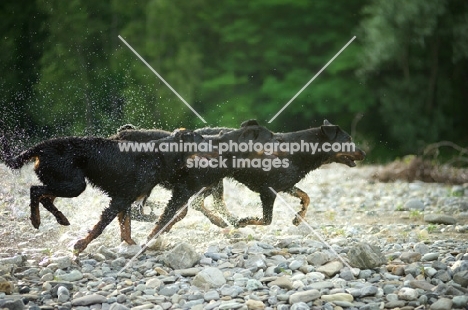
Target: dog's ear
[330,131]
[327,123]
[250,122]
[249,134]
[126,127]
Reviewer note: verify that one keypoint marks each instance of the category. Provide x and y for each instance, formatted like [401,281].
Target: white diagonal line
[311,80]
[161,78]
[313,230]
[155,236]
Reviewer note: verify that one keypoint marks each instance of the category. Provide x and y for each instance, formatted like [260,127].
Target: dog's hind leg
[125,227]
[67,183]
[116,206]
[35,195]
[198,203]
[48,203]
[305,200]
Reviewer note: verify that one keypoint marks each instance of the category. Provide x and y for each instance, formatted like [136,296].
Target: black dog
[62,165]
[259,180]
[300,164]
[129,132]
[192,180]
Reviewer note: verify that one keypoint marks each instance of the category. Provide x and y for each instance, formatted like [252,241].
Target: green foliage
[66,71]
[411,53]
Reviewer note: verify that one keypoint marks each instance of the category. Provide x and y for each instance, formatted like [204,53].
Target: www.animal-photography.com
[206,154]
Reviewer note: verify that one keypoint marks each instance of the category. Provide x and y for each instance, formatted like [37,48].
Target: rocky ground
[367,245]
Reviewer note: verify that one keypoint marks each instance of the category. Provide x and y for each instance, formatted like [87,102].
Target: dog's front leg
[175,211]
[305,200]
[107,216]
[125,227]
[34,205]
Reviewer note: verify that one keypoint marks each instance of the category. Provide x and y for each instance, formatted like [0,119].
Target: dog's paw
[297,220]
[62,220]
[79,246]
[36,222]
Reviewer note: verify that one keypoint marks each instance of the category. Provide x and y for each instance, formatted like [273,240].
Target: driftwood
[427,167]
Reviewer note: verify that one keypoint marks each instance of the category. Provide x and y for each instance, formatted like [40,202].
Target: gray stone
[442,304]
[337,297]
[12,304]
[15,260]
[154,283]
[193,303]
[300,306]
[117,306]
[366,256]
[372,306]
[421,248]
[410,257]
[211,295]
[210,277]
[74,275]
[304,296]
[395,304]
[169,290]
[321,285]
[253,284]
[318,258]
[414,204]
[88,300]
[443,276]
[227,305]
[461,278]
[255,262]
[439,219]
[391,297]
[331,268]
[460,265]
[128,250]
[407,293]
[283,282]
[181,257]
[295,264]
[460,301]
[189,272]
[430,256]
[421,285]
[368,290]
[108,254]
[255,305]
[365,274]
[62,262]
[346,274]
[63,294]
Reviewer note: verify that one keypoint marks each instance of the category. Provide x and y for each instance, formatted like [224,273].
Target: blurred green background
[402,84]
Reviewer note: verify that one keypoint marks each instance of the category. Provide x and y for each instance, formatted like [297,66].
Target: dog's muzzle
[349,158]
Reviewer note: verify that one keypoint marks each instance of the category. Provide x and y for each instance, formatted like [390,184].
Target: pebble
[304,296]
[366,256]
[442,304]
[331,268]
[439,219]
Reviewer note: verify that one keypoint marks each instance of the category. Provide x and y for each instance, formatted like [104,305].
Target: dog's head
[339,145]
[193,144]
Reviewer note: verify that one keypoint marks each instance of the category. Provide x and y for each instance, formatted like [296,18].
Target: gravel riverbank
[400,246]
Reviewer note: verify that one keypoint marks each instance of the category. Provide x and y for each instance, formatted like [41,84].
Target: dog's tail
[14,162]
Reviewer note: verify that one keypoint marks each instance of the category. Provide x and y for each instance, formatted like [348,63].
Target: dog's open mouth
[349,158]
